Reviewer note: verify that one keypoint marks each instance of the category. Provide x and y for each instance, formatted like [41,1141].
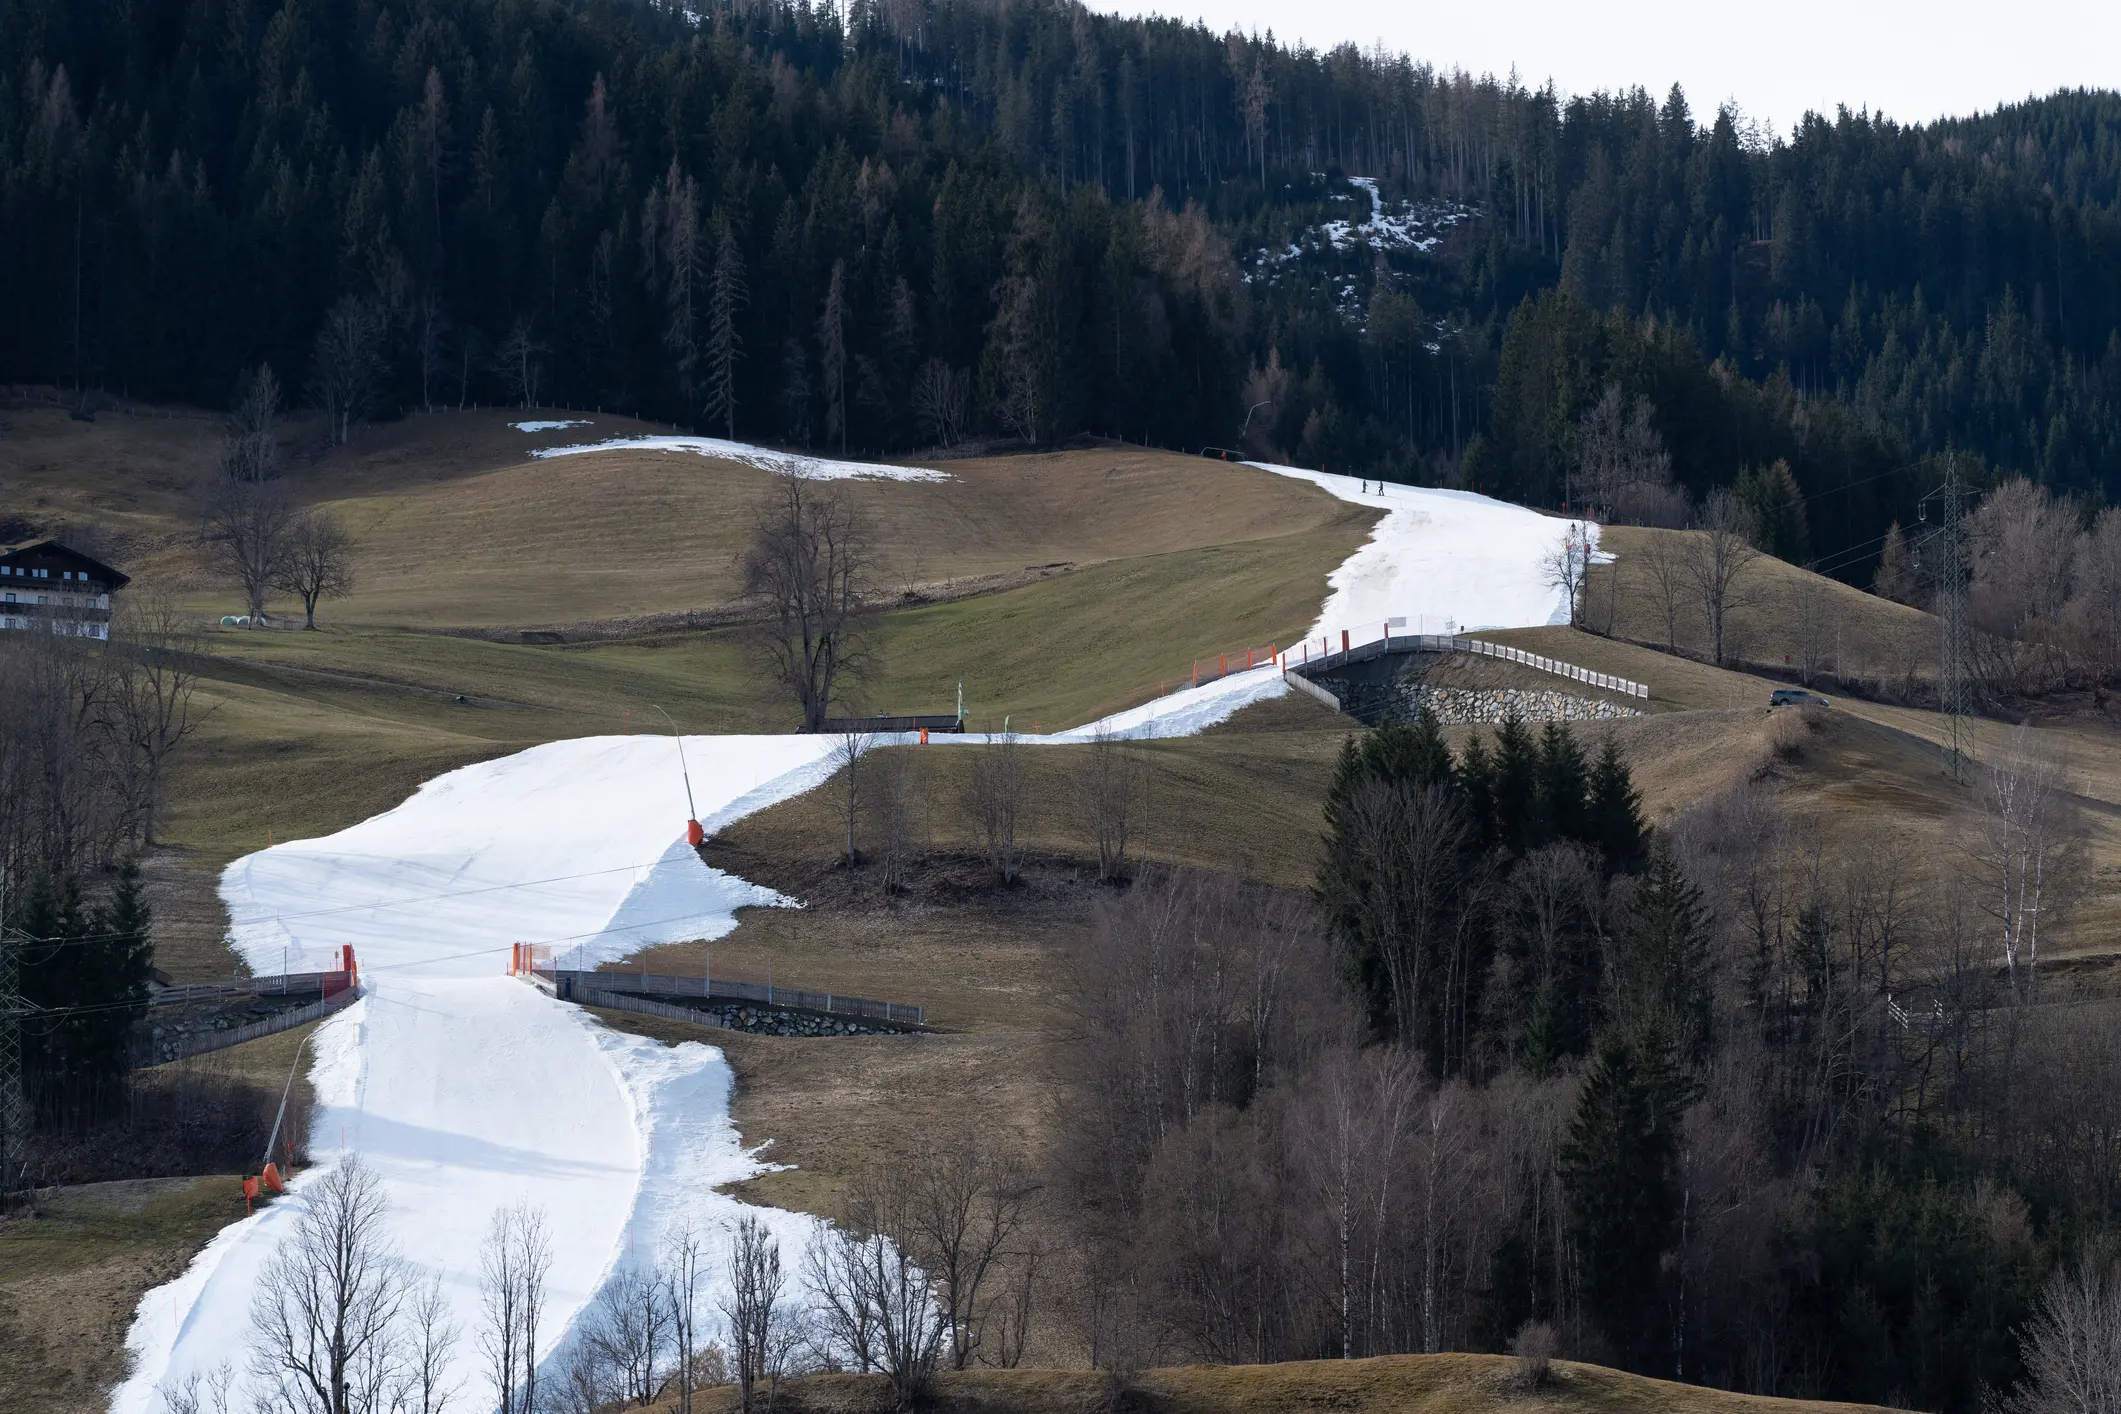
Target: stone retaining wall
[763,1020]
[1462,705]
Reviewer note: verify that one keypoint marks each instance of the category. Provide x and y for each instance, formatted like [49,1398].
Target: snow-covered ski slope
[469,1091]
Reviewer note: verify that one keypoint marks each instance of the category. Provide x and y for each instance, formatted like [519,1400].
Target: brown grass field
[1102,573]
[1394,1384]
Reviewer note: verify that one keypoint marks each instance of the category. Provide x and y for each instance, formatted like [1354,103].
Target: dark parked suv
[1793,697]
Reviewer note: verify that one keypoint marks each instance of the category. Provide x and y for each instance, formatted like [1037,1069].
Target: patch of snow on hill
[764,458]
[1445,561]
[550,426]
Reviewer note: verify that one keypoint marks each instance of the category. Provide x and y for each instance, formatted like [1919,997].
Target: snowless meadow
[467,1091]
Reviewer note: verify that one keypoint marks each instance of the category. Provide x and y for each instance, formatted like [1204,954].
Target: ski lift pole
[693,832]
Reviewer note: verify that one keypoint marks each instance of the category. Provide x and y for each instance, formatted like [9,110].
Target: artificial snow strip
[469,1091]
[764,458]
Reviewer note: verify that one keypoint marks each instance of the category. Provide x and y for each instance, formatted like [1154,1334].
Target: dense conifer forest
[890,226]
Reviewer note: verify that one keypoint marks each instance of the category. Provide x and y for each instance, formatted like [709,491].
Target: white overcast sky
[1910,61]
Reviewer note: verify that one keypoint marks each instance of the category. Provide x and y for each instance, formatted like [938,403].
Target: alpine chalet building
[44,585]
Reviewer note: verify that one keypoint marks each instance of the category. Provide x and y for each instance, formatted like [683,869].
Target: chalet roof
[53,554]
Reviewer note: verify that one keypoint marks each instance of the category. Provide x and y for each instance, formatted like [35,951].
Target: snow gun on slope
[694,835]
[269,1178]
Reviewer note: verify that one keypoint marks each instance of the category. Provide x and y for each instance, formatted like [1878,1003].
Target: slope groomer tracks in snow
[468,1092]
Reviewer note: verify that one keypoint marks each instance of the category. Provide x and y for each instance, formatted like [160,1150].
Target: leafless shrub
[1785,734]
[898,809]
[1532,1352]
[995,790]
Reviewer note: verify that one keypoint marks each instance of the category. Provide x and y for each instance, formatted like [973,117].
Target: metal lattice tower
[1954,691]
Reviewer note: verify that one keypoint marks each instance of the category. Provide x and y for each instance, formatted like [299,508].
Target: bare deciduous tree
[1622,467]
[631,1330]
[995,788]
[680,1275]
[2072,1344]
[323,1314]
[966,1206]
[1716,556]
[152,673]
[1111,789]
[1815,624]
[245,509]
[753,1312]
[1663,562]
[430,333]
[873,1296]
[427,1350]
[519,360]
[942,399]
[1568,565]
[832,355]
[513,1266]
[316,561]
[2024,849]
[347,365]
[808,568]
[848,755]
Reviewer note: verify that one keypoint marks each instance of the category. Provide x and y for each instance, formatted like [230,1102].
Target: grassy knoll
[1778,612]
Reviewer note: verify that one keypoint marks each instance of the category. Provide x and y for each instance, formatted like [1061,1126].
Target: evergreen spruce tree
[1663,962]
[1620,1173]
[90,966]
[726,294]
[1564,781]
[1476,786]
[1614,821]
[1515,786]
